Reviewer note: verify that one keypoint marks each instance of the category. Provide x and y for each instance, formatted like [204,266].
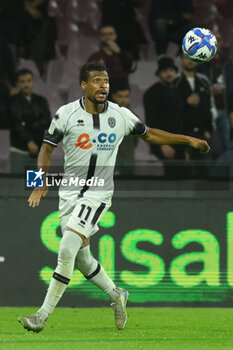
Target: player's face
[167,75]
[122,98]
[25,83]
[187,64]
[96,88]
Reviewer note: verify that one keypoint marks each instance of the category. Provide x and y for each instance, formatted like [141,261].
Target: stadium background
[167,247]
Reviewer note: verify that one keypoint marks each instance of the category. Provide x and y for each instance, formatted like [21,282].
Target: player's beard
[95,101]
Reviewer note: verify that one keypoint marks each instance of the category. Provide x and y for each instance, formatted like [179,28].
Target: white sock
[69,247]
[114,294]
[95,273]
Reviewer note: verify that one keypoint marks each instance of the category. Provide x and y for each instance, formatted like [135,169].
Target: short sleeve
[134,126]
[56,129]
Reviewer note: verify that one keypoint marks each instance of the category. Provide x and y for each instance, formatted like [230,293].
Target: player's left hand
[202,145]
[36,195]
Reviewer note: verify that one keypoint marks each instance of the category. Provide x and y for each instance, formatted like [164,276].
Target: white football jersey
[90,143]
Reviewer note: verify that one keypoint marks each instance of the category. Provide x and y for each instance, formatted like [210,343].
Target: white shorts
[82,214]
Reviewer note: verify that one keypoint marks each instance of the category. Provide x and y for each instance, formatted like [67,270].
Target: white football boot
[119,307]
[32,323]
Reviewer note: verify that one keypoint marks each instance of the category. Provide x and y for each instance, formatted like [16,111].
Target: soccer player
[91,130]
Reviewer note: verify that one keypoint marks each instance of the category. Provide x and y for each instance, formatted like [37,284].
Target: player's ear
[83,85]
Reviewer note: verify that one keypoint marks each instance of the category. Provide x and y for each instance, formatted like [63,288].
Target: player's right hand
[35,197]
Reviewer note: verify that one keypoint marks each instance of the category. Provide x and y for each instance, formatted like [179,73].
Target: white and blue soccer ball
[200,45]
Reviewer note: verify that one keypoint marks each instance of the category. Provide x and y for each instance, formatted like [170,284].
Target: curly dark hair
[90,67]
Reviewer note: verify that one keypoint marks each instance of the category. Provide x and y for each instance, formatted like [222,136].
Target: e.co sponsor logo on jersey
[84,140]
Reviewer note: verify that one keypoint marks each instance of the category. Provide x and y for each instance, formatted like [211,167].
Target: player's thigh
[66,208]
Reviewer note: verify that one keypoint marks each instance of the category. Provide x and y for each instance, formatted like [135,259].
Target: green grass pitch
[147,329]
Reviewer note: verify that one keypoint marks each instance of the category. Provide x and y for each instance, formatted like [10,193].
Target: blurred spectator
[7,64]
[223,167]
[11,24]
[163,109]
[220,72]
[121,95]
[119,62]
[199,110]
[224,8]
[29,117]
[40,33]
[4,97]
[125,157]
[122,15]
[231,110]
[7,81]
[169,20]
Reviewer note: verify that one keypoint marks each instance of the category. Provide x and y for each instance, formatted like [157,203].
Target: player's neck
[93,108]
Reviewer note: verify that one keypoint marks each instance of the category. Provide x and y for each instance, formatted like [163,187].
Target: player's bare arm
[161,137]
[43,162]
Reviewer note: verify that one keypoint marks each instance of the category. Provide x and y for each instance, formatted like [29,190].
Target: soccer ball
[199,45]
